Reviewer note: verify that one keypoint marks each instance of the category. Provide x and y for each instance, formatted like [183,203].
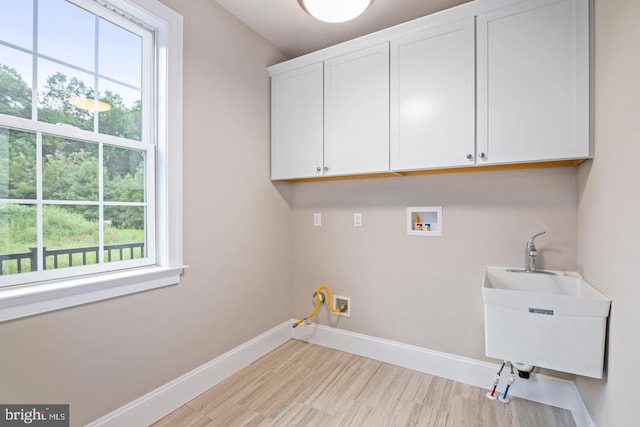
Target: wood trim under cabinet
[532,165]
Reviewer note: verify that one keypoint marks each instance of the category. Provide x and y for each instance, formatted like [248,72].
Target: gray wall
[426,291]
[256,258]
[236,239]
[609,210]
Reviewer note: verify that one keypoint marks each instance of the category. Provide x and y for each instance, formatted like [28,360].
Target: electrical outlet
[343,304]
[317,219]
[357,219]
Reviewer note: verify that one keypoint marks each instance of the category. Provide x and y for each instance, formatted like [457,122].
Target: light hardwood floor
[302,384]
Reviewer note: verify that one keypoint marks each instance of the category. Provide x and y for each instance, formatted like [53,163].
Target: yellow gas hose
[317,295]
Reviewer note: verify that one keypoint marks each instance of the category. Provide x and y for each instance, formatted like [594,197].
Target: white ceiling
[286,26]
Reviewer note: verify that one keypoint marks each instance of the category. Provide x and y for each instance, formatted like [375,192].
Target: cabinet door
[356,112]
[533,94]
[296,123]
[432,98]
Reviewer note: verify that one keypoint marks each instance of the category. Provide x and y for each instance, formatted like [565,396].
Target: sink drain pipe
[524,371]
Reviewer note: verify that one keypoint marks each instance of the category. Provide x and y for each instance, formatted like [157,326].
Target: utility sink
[554,320]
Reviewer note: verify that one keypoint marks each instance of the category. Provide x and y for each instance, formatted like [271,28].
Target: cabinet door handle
[482,155]
[318,169]
[326,168]
[469,156]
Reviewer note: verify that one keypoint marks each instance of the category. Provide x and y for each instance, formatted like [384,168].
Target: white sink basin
[564,293]
[555,321]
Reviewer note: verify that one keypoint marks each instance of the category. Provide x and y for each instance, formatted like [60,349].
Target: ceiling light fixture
[334,10]
[89,104]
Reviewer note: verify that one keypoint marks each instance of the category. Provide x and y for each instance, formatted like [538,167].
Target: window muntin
[100,186]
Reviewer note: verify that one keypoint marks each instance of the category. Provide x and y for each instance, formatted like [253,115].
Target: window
[90,151]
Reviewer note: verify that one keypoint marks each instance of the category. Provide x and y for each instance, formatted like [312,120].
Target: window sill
[23,301]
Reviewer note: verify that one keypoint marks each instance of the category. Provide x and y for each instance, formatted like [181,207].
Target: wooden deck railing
[27,261]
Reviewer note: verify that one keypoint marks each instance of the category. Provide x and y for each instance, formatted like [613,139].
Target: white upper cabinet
[356,112]
[332,117]
[296,123]
[489,82]
[533,83]
[433,98]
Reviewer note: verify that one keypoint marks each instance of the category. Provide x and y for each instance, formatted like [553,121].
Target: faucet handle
[531,241]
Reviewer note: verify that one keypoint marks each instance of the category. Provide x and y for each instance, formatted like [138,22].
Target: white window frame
[34,298]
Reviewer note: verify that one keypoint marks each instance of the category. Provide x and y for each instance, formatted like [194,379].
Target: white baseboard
[165,399]
[162,401]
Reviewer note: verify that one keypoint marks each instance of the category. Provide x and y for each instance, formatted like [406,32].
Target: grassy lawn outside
[64,228]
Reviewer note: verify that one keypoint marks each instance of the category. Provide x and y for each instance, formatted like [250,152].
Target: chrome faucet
[530,254]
